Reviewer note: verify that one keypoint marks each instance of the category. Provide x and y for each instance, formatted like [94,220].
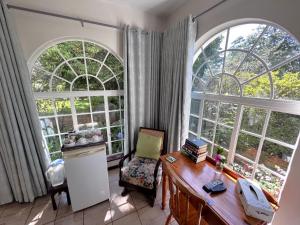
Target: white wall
[35,30]
[282,12]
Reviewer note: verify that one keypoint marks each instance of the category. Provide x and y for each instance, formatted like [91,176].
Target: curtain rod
[209,9]
[82,21]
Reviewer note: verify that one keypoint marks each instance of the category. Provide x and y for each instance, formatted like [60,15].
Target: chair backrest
[185,204]
[156,133]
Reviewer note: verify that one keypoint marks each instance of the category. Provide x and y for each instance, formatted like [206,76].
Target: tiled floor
[130,210]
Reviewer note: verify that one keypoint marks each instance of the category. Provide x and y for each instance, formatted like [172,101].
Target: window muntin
[234,73]
[79,85]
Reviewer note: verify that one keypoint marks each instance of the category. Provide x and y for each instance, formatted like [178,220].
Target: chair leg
[68,197]
[53,201]
[168,219]
[125,192]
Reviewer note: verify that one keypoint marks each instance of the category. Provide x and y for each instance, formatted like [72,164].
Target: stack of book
[195,149]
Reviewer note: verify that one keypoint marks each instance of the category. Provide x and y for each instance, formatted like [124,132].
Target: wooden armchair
[142,174]
[186,206]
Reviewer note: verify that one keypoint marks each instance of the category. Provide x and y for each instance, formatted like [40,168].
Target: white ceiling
[156,7]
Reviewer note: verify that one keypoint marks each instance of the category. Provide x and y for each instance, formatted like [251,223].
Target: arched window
[78,85]
[245,99]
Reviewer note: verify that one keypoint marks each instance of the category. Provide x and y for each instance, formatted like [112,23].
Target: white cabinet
[87,175]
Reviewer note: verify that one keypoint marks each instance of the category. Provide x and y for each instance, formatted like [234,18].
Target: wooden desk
[223,208]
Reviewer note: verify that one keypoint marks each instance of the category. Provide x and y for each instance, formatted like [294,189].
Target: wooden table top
[226,205]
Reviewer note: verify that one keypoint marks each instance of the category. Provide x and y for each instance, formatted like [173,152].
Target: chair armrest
[123,159]
[156,171]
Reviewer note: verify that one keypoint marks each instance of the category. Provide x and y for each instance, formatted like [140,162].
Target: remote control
[208,187]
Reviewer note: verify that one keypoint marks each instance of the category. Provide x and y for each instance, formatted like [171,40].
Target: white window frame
[268,104]
[71,95]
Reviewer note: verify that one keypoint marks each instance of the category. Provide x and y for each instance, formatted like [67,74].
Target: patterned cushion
[140,172]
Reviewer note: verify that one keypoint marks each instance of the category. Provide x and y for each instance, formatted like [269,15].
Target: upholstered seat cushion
[140,172]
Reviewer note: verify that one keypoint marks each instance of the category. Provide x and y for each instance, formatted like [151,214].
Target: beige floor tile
[41,215]
[19,218]
[122,210]
[98,215]
[41,201]
[63,208]
[16,208]
[117,199]
[152,216]
[73,219]
[139,200]
[131,219]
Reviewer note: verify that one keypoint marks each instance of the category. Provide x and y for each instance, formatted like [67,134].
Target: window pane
[55,156]
[223,136]
[197,86]
[99,120]
[111,84]
[53,144]
[92,67]
[225,152]
[247,146]
[242,167]
[113,102]
[250,68]
[284,127]
[192,136]
[104,74]
[115,118]
[204,73]
[286,80]
[80,84]
[120,79]
[117,147]
[233,60]
[70,49]
[94,51]
[275,46]
[94,84]
[78,66]
[253,119]
[195,106]
[62,106]
[122,102]
[210,110]
[213,87]
[207,130]
[275,157]
[65,72]
[60,85]
[193,125]
[45,107]
[268,181]
[230,86]
[40,80]
[113,63]
[97,103]
[82,104]
[227,113]
[84,122]
[65,124]
[50,59]
[259,87]
[216,63]
[48,126]
[104,133]
[116,133]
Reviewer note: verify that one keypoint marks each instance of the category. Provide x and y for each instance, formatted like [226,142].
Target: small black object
[209,187]
[219,188]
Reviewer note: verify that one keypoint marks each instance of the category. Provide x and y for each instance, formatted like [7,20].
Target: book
[192,152]
[196,150]
[198,159]
[197,143]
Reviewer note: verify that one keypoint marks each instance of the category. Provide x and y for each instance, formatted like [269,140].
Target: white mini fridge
[87,175]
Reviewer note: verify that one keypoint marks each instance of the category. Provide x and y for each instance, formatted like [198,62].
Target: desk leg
[164,191]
